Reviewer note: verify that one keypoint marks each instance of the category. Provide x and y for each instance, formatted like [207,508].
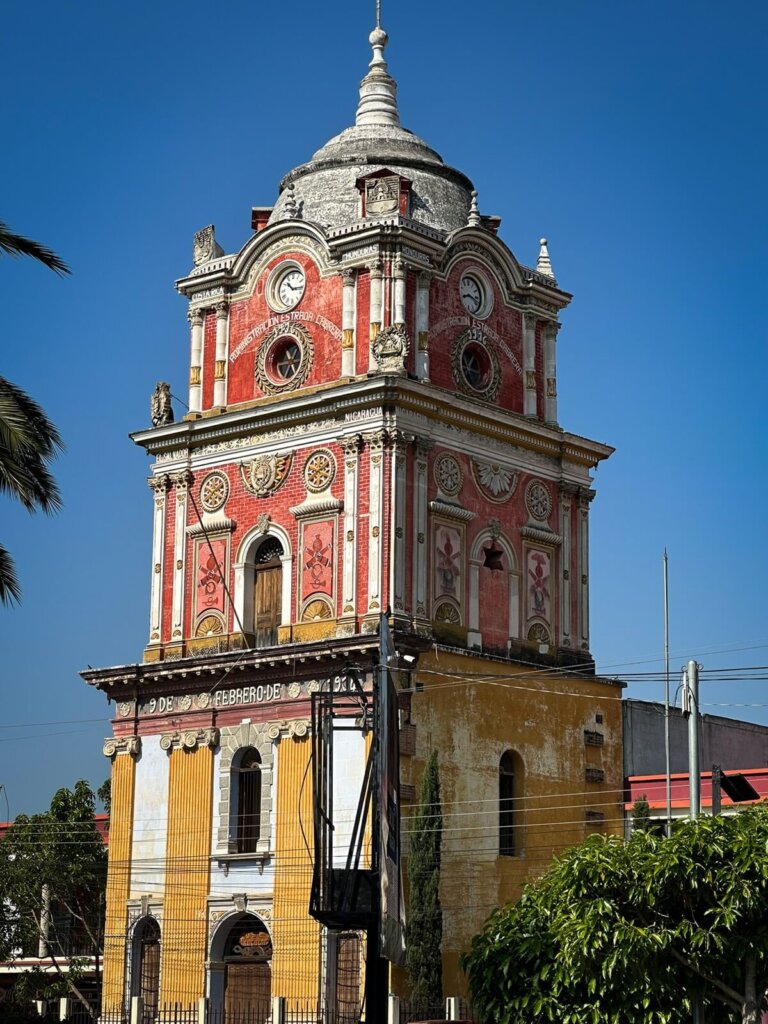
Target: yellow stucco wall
[295,935]
[118,879]
[184,946]
[471,710]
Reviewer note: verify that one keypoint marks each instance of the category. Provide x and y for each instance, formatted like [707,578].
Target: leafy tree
[635,930]
[28,439]
[425,922]
[52,884]
[641,814]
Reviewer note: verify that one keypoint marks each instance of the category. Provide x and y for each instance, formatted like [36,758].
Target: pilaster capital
[551,327]
[425,278]
[399,268]
[376,440]
[182,480]
[159,485]
[423,446]
[114,745]
[585,496]
[376,268]
[190,739]
[350,444]
[348,276]
[222,310]
[195,317]
[400,440]
[529,321]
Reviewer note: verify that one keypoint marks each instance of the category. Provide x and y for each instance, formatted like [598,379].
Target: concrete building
[372,425]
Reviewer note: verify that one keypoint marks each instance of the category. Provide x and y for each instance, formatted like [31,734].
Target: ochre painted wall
[118,879]
[295,935]
[184,936]
[471,710]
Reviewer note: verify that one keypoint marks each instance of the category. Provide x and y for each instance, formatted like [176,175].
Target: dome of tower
[324,188]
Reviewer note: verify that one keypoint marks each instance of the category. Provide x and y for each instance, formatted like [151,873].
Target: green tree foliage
[52,884]
[641,814]
[635,930]
[425,920]
[28,439]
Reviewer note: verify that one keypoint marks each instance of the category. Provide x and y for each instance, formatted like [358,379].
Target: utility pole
[694,776]
[666,697]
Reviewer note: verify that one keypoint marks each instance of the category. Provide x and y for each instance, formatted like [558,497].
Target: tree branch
[730,994]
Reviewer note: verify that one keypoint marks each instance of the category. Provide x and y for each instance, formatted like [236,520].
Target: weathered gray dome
[324,188]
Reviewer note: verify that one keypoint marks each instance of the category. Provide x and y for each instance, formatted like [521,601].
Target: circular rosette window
[284,359]
[475,366]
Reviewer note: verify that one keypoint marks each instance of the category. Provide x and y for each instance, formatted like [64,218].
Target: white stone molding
[550,372]
[213,522]
[160,486]
[189,739]
[448,510]
[422,326]
[565,571]
[541,535]
[114,745]
[474,634]
[244,572]
[314,506]
[400,281]
[376,442]
[397,543]
[196,318]
[234,739]
[182,482]
[377,309]
[585,496]
[420,494]
[351,445]
[222,350]
[529,364]
[348,321]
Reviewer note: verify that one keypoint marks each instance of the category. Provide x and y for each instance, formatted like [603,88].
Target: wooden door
[247,993]
[267,604]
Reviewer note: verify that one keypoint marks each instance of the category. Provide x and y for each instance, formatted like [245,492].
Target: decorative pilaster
[422,326]
[399,275]
[398,449]
[550,372]
[190,739]
[376,442]
[195,317]
[566,506]
[222,345]
[585,497]
[348,310]
[529,364]
[114,745]
[377,308]
[159,485]
[420,495]
[182,482]
[351,447]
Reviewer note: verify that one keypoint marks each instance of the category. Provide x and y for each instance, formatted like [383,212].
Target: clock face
[290,288]
[285,287]
[471,294]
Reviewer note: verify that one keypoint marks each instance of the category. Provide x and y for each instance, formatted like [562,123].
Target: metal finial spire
[378,90]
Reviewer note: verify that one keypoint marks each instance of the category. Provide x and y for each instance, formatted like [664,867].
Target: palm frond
[17,245]
[10,591]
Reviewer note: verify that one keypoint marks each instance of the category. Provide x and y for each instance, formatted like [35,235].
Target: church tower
[372,426]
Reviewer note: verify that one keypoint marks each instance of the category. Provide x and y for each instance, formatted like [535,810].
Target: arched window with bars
[246,782]
[268,591]
[146,966]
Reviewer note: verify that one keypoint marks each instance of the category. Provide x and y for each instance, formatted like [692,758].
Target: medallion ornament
[214,491]
[319,471]
[538,500]
[264,474]
[494,481]
[448,475]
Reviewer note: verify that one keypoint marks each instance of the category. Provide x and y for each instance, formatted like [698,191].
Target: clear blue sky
[631,135]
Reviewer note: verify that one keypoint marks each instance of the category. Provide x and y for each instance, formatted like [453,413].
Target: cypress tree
[425,920]
[641,814]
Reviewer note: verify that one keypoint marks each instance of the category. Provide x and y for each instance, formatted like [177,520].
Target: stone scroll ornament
[494,481]
[266,473]
[390,350]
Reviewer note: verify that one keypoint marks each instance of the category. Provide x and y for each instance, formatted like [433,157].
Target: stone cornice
[317,507]
[212,523]
[449,511]
[334,402]
[540,535]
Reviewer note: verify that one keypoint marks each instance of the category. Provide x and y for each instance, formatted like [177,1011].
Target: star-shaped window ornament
[492,557]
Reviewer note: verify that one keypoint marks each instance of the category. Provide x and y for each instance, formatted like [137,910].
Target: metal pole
[694,776]
[666,697]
